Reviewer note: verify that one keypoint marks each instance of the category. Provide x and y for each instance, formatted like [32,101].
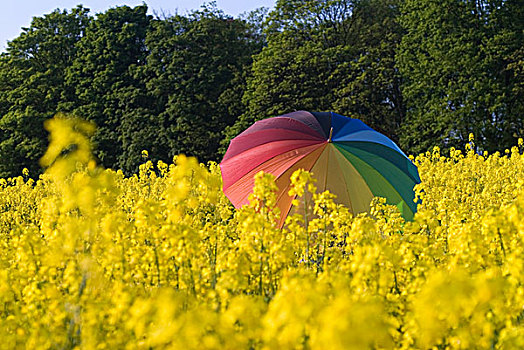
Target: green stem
[306,227]
[261,272]
[501,243]
[157,263]
[325,244]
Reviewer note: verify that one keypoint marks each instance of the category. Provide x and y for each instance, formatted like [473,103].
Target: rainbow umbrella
[347,157]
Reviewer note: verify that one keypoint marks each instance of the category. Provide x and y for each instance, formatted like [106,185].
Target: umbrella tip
[330,134]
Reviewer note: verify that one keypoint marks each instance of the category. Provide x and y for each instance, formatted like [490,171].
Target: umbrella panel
[378,184]
[233,169]
[399,180]
[337,175]
[330,177]
[357,187]
[246,142]
[312,120]
[285,123]
[284,200]
[398,171]
[239,191]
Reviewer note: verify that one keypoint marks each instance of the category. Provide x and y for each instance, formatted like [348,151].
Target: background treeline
[424,72]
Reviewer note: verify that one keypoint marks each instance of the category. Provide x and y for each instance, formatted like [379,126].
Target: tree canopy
[460,62]
[424,73]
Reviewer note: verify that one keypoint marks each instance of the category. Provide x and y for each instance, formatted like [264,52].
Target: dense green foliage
[459,61]
[329,55]
[168,85]
[32,80]
[423,72]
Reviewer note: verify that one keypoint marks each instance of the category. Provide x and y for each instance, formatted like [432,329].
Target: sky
[15,14]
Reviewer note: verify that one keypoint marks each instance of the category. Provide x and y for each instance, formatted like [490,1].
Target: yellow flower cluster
[92,259]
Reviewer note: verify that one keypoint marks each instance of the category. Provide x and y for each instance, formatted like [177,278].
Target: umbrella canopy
[347,157]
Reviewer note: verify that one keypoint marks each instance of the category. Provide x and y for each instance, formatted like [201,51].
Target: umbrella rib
[355,144]
[327,165]
[313,142]
[406,178]
[250,147]
[250,169]
[250,174]
[314,119]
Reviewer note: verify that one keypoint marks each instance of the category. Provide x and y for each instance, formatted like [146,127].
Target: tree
[455,61]
[31,82]
[194,78]
[100,84]
[167,85]
[328,55]
[369,79]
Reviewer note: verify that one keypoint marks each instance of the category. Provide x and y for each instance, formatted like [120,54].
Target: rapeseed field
[93,259]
